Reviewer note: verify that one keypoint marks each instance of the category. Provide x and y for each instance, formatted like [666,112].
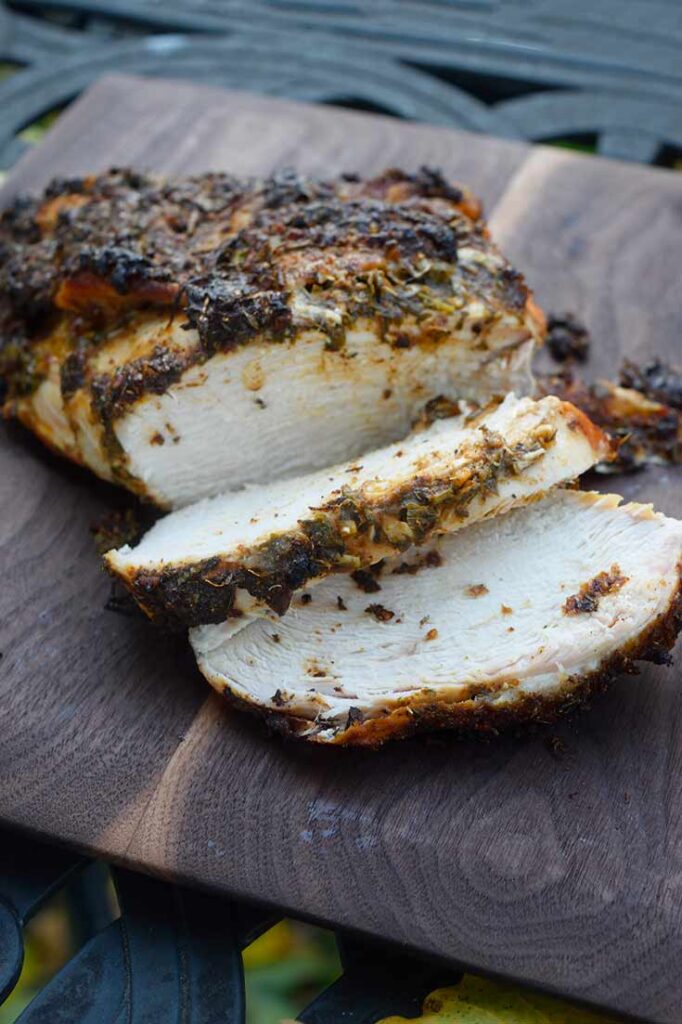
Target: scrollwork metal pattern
[173,954]
[608,75]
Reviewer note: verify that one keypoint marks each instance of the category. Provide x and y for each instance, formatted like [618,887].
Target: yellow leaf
[270,947]
[480,1001]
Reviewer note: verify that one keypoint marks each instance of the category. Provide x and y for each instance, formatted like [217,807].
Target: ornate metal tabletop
[605,76]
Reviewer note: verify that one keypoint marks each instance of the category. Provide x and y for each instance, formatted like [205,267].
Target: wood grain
[560,866]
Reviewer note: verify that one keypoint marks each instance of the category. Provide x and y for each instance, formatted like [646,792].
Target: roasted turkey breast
[213,344]
[190,336]
[513,618]
[220,555]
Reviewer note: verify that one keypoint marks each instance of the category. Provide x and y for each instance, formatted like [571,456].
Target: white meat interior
[270,411]
[233,524]
[491,615]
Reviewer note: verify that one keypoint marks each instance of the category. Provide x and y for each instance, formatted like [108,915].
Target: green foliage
[34,132]
[579,147]
[47,946]
[285,969]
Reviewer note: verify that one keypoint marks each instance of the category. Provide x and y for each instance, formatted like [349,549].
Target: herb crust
[234,259]
[350,531]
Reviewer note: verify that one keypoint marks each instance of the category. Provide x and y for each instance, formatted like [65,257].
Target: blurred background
[603,75]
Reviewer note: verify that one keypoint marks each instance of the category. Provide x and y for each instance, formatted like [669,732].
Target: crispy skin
[471,717]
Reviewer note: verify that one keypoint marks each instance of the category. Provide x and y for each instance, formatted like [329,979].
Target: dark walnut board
[556,863]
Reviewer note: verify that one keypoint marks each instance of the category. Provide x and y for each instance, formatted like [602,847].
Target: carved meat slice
[222,554]
[645,420]
[187,337]
[515,618]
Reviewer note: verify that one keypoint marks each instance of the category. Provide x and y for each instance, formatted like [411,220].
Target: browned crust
[94,247]
[347,533]
[226,257]
[537,316]
[581,422]
[474,717]
[644,427]
[113,392]
[87,292]
[591,592]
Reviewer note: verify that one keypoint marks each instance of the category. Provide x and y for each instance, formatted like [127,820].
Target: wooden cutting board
[555,860]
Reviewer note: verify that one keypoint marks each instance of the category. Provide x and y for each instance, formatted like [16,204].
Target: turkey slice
[218,556]
[515,618]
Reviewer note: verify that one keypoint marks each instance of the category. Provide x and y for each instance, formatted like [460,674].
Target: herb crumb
[380,613]
[366,581]
[115,529]
[355,717]
[567,338]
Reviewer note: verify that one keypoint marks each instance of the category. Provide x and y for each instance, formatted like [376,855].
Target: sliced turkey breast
[514,618]
[218,556]
[187,337]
